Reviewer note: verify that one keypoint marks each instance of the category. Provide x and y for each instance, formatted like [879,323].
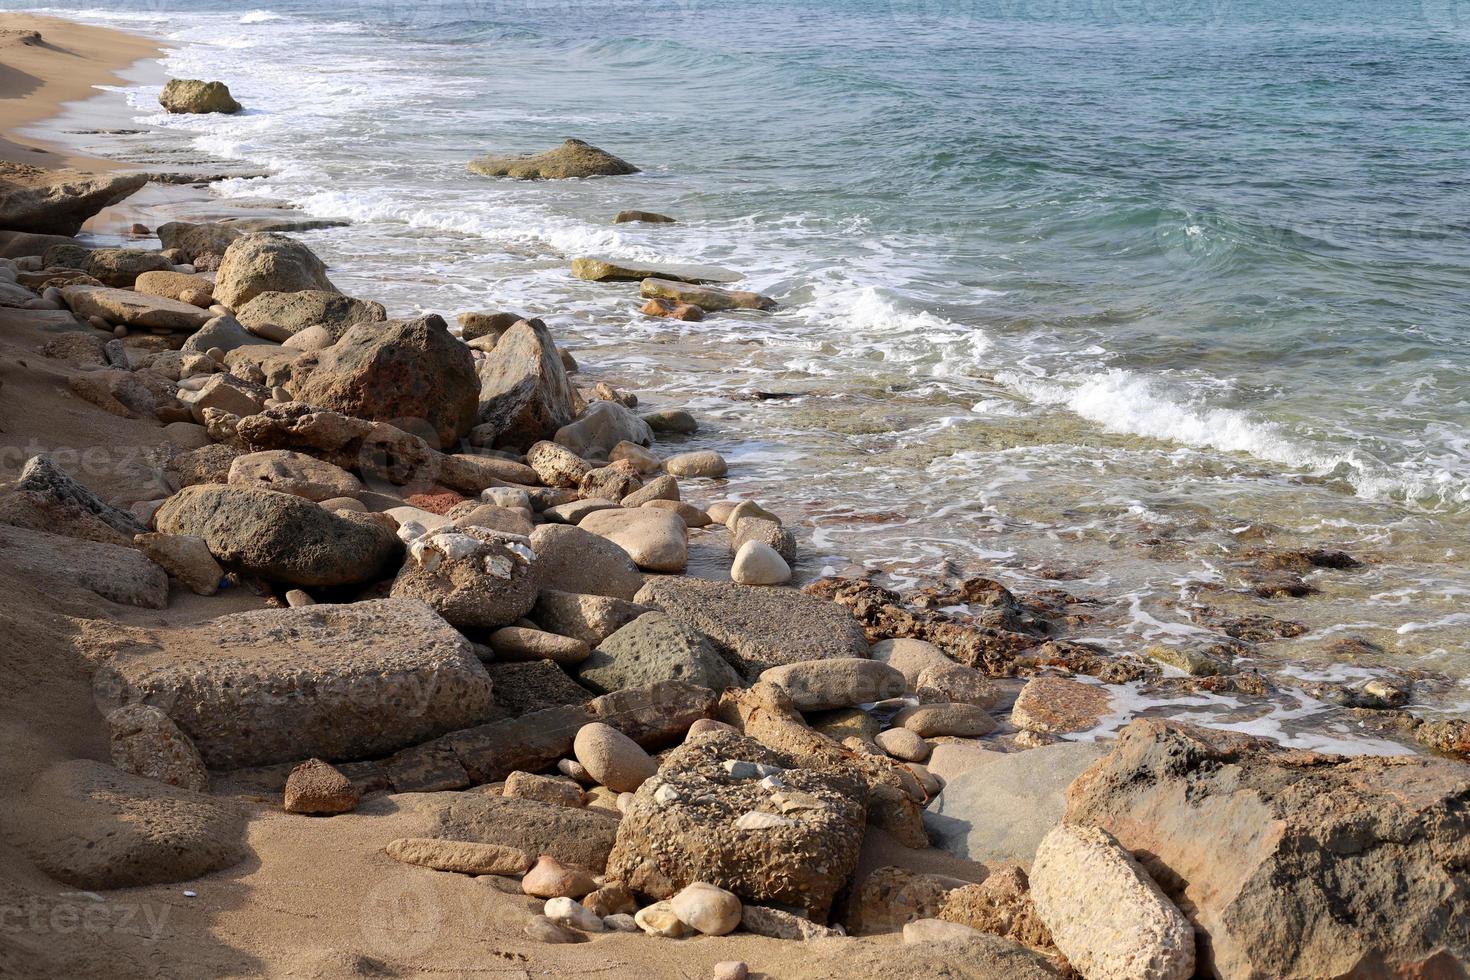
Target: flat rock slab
[134,309]
[1060,706]
[337,682]
[572,835]
[617,270]
[757,627]
[999,812]
[116,573]
[92,826]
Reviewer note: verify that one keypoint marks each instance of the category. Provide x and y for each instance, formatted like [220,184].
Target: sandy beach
[949,707]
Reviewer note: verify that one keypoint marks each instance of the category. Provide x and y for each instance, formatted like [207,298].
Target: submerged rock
[708,298]
[573,158]
[614,270]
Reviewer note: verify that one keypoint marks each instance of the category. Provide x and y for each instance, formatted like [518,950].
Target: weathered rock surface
[1059,705]
[145,742]
[89,825]
[265,263]
[655,648]
[472,576]
[755,628]
[45,497]
[524,392]
[196,239]
[569,559]
[596,269]
[327,681]
[118,574]
[600,427]
[281,537]
[573,158]
[693,822]
[122,306]
[589,618]
[1104,912]
[463,857]
[299,310]
[394,371]
[121,267]
[57,202]
[578,836]
[1290,863]
[998,812]
[318,788]
[1000,905]
[557,466]
[193,95]
[835,682]
[932,720]
[547,789]
[708,298]
[295,473]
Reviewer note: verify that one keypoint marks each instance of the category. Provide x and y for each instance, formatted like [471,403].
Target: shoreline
[41,80]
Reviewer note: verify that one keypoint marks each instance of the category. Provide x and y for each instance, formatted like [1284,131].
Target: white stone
[707,908]
[569,912]
[757,563]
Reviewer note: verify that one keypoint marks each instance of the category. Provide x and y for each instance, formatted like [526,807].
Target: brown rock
[317,787]
[462,857]
[1000,905]
[672,310]
[146,742]
[547,789]
[1057,705]
[549,878]
[890,897]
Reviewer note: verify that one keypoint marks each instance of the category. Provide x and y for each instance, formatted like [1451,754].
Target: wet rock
[843,682]
[596,269]
[326,681]
[612,758]
[600,427]
[1104,912]
[1058,706]
[655,648]
[751,626]
[472,576]
[524,392]
[1248,839]
[999,811]
[757,563]
[317,787]
[890,897]
[56,202]
[659,488]
[462,857]
[573,158]
[671,310]
[647,217]
[673,421]
[145,742]
[193,95]
[280,537]
[589,618]
[612,483]
[89,825]
[769,533]
[569,559]
[196,238]
[267,263]
[657,541]
[709,298]
[691,516]
[685,826]
[704,463]
[296,311]
[294,473]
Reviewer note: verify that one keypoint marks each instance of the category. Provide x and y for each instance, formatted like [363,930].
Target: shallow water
[1100,290]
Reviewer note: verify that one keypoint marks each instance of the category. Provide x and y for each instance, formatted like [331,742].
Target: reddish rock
[672,309]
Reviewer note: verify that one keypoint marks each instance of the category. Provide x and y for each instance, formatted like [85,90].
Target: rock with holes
[472,576]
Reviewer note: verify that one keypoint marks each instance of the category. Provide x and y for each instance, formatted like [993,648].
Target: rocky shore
[402,608]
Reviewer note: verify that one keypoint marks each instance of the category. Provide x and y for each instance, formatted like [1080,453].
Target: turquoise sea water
[1125,287]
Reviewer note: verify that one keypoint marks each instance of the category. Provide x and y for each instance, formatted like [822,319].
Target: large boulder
[336,682]
[47,498]
[60,564]
[600,427]
[281,537]
[655,648]
[998,812]
[1292,863]
[399,370]
[57,202]
[89,825]
[293,312]
[196,96]
[704,819]
[757,627]
[127,308]
[573,158]
[472,576]
[262,263]
[196,239]
[525,395]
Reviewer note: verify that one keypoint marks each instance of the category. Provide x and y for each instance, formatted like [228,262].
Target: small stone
[621,922]
[938,931]
[757,563]
[573,769]
[547,789]
[703,463]
[551,879]
[672,310]
[567,912]
[901,743]
[730,970]
[659,920]
[543,930]
[613,899]
[612,758]
[461,857]
[316,787]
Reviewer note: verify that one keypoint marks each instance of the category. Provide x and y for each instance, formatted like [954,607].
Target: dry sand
[317,898]
[36,79]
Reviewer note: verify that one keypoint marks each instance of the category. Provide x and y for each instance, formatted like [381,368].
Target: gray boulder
[224,332]
[1292,863]
[573,158]
[118,574]
[57,202]
[267,262]
[600,427]
[282,537]
[999,812]
[295,311]
[525,395]
[336,682]
[656,648]
[755,628]
[59,504]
